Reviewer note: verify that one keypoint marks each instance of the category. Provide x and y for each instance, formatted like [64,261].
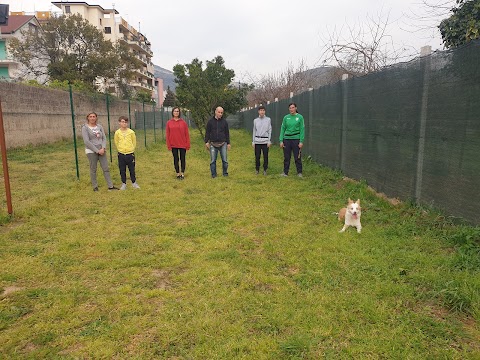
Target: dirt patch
[10,289]
[393,201]
[163,279]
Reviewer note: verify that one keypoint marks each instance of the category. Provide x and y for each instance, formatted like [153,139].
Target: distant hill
[167,77]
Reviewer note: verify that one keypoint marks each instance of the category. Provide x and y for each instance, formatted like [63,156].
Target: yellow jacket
[125,141]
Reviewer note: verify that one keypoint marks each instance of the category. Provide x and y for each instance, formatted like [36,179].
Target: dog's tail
[341,213]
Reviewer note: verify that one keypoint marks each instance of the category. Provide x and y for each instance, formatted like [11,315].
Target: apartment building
[115,28]
[11,69]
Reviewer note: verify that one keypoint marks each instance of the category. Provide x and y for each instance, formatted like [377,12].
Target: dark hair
[90,113]
[292,104]
[179,111]
[123,118]
[261,107]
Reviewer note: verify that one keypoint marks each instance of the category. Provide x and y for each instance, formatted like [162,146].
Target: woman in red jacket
[178,140]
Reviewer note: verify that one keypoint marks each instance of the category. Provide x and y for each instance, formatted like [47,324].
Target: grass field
[248,266]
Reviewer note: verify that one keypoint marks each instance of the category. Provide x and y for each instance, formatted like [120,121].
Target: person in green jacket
[292,135]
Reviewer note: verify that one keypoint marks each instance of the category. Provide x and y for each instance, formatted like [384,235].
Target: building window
[67,9]
[108,30]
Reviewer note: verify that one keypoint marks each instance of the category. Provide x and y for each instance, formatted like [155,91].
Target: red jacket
[177,134]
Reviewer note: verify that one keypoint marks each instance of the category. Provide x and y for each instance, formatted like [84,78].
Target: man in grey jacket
[261,142]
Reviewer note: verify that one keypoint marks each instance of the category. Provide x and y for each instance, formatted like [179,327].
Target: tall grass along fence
[410,131]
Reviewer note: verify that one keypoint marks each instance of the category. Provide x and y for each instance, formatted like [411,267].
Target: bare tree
[293,79]
[428,19]
[360,49]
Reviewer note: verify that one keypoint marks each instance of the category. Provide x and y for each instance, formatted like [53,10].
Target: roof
[15,22]
[60,3]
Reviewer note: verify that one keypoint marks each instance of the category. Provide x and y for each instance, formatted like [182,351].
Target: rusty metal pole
[3,147]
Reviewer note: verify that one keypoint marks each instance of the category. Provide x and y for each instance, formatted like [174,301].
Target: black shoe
[182,177]
[214,176]
[95,189]
[113,188]
[179,177]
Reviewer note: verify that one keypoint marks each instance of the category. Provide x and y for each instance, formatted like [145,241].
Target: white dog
[351,214]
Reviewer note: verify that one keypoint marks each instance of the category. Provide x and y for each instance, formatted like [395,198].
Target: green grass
[247,266]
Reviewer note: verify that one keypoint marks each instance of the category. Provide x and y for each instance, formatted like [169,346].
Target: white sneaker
[123,187]
[135,185]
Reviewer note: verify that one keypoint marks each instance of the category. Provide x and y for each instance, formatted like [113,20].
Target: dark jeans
[261,148]
[125,160]
[176,152]
[288,147]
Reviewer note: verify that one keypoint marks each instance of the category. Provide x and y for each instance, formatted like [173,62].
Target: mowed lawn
[244,267]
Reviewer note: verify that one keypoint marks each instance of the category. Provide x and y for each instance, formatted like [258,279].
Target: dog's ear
[358,201]
[350,201]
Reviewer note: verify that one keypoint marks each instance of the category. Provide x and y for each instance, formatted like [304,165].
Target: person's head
[292,107]
[123,122]
[218,112]
[92,118]
[261,111]
[176,113]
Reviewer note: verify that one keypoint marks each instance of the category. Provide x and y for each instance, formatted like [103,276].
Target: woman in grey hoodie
[95,148]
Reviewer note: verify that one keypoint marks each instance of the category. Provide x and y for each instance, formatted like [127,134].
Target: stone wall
[35,116]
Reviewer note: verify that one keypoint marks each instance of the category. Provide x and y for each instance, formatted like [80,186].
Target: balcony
[141,85]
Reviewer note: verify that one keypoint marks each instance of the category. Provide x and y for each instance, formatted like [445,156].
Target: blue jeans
[213,159]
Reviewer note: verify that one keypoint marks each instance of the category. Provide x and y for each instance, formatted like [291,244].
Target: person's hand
[101,151]
[300,145]
[207,145]
[281,145]
[269,144]
[229,147]
[253,145]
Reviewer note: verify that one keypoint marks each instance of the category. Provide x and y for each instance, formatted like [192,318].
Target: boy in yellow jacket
[126,141]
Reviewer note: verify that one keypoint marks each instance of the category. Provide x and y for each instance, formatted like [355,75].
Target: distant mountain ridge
[167,77]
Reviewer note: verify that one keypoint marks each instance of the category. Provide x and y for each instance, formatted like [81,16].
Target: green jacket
[293,127]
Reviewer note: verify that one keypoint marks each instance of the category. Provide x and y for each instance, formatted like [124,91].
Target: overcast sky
[255,36]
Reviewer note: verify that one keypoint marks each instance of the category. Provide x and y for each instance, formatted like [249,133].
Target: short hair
[292,103]
[179,111]
[123,118]
[261,107]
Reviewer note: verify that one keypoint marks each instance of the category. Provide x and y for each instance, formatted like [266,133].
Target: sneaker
[299,175]
[95,189]
[283,174]
[135,186]
[123,187]
[264,172]
[179,177]
[256,172]
[182,177]
[113,188]
[214,176]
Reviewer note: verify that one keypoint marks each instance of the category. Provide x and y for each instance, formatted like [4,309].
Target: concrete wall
[36,115]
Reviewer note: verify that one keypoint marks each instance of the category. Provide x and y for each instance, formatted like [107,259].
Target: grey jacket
[262,130]
[94,140]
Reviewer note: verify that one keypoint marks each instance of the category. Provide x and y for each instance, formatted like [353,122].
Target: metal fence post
[144,126]
[154,130]
[3,146]
[423,125]
[108,121]
[73,129]
[343,139]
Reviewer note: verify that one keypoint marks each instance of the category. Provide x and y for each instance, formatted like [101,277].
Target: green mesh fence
[411,131]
